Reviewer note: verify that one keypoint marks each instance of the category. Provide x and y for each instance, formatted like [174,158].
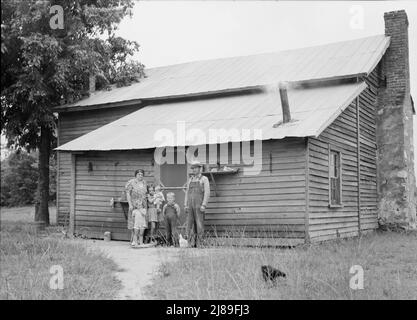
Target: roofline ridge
[263,53]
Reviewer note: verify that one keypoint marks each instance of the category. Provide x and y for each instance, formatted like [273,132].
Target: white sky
[171,32]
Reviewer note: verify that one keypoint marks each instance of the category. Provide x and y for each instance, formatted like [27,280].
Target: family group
[148,209]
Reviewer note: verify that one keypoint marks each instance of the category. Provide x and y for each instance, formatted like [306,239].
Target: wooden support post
[72,195]
[307,191]
[359,162]
[58,172]
[214,183]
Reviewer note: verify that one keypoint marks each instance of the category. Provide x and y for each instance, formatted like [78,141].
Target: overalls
[171,224]
[195,218]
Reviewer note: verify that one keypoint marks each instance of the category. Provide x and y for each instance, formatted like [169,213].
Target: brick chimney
[396,180]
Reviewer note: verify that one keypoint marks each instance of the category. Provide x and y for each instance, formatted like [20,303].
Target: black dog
[271,274]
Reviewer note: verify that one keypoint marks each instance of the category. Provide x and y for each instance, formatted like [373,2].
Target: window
[335,178]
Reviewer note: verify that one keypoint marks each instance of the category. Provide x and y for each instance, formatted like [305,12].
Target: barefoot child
[171,213]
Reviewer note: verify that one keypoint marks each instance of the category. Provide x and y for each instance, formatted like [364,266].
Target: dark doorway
[174,179]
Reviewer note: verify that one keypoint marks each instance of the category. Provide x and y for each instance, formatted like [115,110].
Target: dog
[271,274]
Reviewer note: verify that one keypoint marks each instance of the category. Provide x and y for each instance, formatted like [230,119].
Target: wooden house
[308,118]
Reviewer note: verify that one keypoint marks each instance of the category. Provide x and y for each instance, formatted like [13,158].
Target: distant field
[319,271]
[24,214]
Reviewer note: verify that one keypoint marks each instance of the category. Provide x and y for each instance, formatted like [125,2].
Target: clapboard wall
[100,176]
[72,125]
[269,204]
[358,152]
[368,155]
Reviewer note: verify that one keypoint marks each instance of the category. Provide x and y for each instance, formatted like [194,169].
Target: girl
[152,211]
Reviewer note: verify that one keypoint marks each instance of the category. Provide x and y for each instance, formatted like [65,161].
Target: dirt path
[138,265]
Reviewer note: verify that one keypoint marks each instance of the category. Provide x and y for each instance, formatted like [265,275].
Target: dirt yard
[137,266]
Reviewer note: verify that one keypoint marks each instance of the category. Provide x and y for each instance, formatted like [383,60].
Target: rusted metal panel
[312,110]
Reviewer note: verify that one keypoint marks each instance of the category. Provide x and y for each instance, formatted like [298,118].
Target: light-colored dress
[137,190]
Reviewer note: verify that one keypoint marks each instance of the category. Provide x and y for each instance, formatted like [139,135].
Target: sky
[171,32]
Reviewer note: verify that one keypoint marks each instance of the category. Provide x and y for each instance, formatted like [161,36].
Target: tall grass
[26,259]
[320,271]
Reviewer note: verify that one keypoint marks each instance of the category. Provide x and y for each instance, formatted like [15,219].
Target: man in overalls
[196,199]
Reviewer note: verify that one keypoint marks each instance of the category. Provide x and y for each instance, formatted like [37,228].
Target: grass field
[24,214]
[26,259]
[388,260]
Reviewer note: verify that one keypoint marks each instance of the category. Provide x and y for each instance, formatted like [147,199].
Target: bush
[19,179]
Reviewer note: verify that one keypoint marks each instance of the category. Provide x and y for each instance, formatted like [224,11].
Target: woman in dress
[136,190]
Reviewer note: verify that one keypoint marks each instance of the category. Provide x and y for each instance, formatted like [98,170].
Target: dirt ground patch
[137,266]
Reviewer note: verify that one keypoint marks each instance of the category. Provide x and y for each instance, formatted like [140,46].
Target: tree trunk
[42,199]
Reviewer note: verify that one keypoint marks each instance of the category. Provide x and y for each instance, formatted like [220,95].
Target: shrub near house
[19,177]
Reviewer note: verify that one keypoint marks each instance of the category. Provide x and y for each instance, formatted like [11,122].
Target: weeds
[26,258]
[313,272]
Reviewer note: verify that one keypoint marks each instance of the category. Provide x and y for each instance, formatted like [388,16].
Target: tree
[43,67]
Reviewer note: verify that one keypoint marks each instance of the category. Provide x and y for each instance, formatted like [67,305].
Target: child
[152,211]
[139,225]
[171,213]
[159,198]
[159,201]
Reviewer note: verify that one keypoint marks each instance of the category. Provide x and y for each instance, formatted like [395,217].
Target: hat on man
[196,164]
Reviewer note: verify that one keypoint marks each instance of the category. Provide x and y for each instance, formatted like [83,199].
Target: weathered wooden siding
[368,155]
[71,126]
[271,203]
[328,223]
[94,189]
[324,222]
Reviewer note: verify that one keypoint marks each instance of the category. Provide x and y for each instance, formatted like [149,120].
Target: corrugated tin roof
[313,109]
[335,60]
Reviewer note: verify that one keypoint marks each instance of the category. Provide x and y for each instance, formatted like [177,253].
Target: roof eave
[127,103]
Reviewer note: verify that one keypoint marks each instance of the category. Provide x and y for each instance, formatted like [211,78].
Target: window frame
[331,150]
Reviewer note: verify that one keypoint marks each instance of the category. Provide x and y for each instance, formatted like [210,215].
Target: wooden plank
[307,193]
[285,217]
[72,192]
[252,242]
[359,162]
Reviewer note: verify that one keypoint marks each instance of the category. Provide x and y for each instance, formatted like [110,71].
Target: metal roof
[330,61]
[312,110]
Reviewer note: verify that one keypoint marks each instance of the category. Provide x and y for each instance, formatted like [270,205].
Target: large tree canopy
[44,67]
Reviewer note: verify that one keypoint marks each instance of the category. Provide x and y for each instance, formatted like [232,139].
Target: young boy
[171,213]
